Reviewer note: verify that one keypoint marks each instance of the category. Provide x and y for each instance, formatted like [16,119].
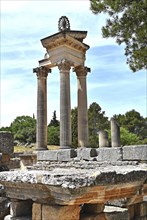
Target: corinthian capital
[41,71]
[64,65]
[81,70]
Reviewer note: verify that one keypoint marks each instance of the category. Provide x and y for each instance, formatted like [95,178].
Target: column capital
[81,70]
[64,65]
[41,71]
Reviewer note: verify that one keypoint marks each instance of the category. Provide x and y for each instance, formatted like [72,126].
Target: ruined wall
[6,142]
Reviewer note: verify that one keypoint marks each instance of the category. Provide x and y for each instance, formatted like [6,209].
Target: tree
[54,122]
[127,138]
[134,123]
[97,121]
[5,129]
[53,135]
[74,126]
[127,22]
[24,129]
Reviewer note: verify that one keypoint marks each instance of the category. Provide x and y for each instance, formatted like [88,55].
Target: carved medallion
[63,24]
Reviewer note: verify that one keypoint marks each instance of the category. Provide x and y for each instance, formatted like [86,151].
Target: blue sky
[111,83]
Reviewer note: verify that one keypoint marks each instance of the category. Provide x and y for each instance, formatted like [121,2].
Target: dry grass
[18,149]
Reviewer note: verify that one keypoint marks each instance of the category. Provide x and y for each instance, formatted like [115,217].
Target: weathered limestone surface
[109,154]
[135,152]
[56,155]
[86,153]
[6,142]
[64,186]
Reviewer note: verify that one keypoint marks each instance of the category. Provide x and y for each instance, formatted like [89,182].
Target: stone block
[20,208]
[60,212]
[86,153]
[56,155]
[50,155]
[37,211]
[109,154]
[66,154]
[6,142]
[136,152]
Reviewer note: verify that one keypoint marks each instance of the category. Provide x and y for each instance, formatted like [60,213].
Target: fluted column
[41,136]
[81,73]
[65,106]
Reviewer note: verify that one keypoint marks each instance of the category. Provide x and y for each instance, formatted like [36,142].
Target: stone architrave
[65,105]
[42,73]
[103,139]
[81,73]
[115,133]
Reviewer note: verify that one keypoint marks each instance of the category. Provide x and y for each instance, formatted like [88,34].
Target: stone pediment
[66,45]
[79,35]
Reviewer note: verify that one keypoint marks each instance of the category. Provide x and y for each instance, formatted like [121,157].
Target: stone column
[42,73]
[103,139]
[81,73]
[115,133]
[65,106]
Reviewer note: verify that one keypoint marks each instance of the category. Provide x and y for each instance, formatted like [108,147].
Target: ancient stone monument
[74,184]
[65,50]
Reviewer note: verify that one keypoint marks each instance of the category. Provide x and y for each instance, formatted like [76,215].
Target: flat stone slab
[68,185]
[71,177]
